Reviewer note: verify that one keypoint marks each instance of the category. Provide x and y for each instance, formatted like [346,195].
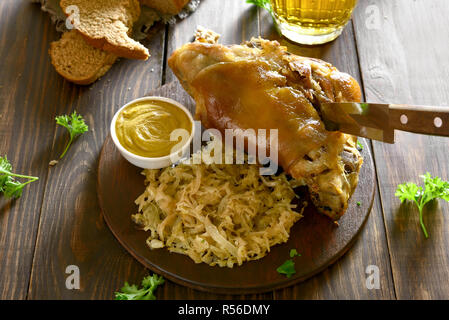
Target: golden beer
[312,21]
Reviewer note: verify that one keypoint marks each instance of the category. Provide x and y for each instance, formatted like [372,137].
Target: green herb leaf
[264,4]
[132,292]
[9,186]
[359,145]
[287,268]
[5,165]
[434,188]
[5,169]
[13,189]
[75,125]
[409,191]
[294,253]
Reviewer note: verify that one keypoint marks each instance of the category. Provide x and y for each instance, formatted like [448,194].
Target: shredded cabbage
[217,214]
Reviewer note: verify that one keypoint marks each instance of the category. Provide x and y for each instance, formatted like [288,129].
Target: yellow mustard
[144,127]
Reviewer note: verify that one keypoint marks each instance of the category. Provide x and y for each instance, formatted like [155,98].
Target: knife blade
[379,121]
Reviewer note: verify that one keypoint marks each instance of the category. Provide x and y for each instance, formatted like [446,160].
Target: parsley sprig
[75,125]
[149,285]
[9,185]
[434,188]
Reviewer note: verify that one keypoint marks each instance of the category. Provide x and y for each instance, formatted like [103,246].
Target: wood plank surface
[29,97]
[71,229]
[346,279]
[403,48]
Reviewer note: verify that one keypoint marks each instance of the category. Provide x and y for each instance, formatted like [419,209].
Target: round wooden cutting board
[319,241]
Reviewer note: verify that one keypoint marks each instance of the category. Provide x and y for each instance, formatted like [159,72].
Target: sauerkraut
[214,213]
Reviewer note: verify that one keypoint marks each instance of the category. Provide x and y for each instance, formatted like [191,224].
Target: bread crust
[103,44]
[130,50]
[86,78]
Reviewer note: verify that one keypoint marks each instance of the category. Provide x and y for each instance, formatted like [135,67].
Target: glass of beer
[312,21]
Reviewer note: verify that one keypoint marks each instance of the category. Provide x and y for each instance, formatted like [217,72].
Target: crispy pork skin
[259,85]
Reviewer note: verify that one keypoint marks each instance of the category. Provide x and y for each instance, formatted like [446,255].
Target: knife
[379,121]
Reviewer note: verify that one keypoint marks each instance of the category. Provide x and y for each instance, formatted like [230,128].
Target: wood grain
[71,228]
[403,49]
[346,278]
[29,97]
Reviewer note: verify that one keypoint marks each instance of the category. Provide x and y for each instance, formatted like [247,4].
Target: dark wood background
[398,50]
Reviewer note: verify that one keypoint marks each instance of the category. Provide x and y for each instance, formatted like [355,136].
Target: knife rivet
[404,119]
[438,122]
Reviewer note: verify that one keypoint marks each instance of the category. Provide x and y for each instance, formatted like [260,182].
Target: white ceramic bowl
[146,162]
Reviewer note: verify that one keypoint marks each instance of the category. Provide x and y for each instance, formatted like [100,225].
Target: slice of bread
[166,6]
[107,25]
[77,61]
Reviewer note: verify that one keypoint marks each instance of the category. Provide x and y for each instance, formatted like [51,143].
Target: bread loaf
[77,61]
[107,25]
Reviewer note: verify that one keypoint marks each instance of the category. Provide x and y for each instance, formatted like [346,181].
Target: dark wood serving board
[319,240]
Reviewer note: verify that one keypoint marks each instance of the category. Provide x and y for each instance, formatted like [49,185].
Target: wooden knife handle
[420,119]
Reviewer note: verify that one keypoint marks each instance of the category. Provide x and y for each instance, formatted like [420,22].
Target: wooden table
[398,50]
